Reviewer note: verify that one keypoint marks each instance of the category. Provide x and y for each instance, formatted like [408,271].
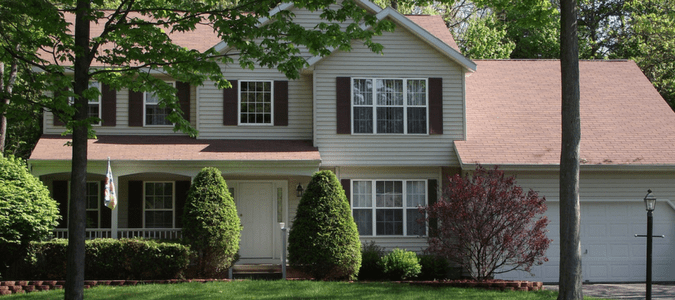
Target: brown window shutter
[343,107]
[108,106]
[347,187]
[435,105]
[432,197]
[60,194]
[230,101]
[135,109]
[281,103]
[182,188]
[106,213]
[135,205]
[184,98]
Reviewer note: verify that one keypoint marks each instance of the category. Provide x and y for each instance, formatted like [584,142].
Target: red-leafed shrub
[488,225]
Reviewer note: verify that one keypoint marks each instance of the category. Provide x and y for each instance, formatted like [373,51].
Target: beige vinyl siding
[299,108]
[604,185]
[122,124]
[404,56]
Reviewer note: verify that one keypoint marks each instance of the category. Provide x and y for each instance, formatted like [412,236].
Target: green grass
[286,290]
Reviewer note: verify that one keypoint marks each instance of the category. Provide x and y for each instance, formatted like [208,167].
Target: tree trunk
[6,91]
[74,288]
[570,247]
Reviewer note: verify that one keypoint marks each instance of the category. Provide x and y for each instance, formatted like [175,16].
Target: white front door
[256,210]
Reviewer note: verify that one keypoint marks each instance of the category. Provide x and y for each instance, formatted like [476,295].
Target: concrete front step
[256,269]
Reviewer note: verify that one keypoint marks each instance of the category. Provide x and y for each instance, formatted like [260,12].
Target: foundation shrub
[433,267]
[108,259]
[401,265]
[324,241]
[371,269]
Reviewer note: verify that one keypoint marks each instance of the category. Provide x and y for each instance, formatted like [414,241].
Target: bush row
[400,265]
[108,259]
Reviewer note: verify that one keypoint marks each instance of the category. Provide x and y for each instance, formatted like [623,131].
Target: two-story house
[392,127]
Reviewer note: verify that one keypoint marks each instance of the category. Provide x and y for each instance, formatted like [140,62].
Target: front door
[256,210]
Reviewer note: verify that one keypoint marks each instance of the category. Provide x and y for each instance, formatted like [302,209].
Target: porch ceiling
[178,148]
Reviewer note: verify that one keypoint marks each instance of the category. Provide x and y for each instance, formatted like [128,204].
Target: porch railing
[148,233]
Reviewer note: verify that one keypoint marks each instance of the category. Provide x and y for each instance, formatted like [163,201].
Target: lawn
[251,289]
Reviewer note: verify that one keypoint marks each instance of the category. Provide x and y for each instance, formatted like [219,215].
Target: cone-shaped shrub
[324,241]
[210,222]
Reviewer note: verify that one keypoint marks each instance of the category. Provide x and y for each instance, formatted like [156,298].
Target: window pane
[389,92]
[363,92]
[92,195]
[158,219]
[363,194]
[417,92]
[415,193]
[92,219]
[363,120]
[389,221]
[413,227]
[389,193]
[154,115]
[417,120]
[92,111]
[390,120]
[364,221]
[256,100]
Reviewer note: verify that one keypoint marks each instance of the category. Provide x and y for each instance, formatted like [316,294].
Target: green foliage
[433,267]
[108,259]
[371,269]
[401,264]
[324,240]
[27,212]
[210,222]
[485,39]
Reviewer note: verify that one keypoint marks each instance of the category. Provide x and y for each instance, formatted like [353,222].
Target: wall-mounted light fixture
[299,190]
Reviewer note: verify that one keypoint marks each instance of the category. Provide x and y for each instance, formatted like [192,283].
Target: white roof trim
[421,33]
[369,5]
[222,46]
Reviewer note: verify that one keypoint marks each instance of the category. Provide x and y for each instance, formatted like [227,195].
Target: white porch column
[114,215]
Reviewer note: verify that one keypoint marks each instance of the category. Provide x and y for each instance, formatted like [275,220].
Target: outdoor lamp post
[650,204]
[283,250]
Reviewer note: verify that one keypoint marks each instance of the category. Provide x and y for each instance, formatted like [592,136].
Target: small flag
[110,197]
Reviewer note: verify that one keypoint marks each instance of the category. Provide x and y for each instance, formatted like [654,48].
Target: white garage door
[610,250]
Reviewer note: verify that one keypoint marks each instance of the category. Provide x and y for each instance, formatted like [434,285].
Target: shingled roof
[513,110]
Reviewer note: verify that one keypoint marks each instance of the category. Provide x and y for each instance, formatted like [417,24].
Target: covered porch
[262,177]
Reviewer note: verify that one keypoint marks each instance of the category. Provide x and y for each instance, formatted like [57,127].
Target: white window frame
[404,206]
[271,123]
[173,203]
[99,102]
[145,106]
[375,106]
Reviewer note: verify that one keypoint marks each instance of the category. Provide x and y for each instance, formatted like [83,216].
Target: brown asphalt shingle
[513,112]
[172,148]
[436,26]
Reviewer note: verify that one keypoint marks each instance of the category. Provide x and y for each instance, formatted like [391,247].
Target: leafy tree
[27,212]
[648,41]
[484,38]
[324,241]
[210,222]
[488,225]
[134,44]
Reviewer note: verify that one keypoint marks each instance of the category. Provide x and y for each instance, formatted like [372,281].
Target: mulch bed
[25,286]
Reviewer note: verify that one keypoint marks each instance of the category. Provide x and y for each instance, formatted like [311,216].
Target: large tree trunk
[6,94]
[74,288]
[570,246]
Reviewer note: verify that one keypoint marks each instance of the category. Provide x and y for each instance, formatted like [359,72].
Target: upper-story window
[256,102]
[388,207]
[94,107]
[390,106]
[155,115]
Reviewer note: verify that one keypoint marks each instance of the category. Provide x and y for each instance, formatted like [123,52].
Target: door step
[257,271]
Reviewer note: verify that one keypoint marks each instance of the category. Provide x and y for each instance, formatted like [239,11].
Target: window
[158,204]
[155,115]
[94,109]
[93,200]
[388,207]
[389,106]
[256,102]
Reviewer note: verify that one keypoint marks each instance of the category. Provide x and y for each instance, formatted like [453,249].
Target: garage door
[610,250]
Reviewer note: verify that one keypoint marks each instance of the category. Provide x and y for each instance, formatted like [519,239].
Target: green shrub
[401,264]
[433,267]
[371,269]
[211,225]
[27,212]
[109,259]
[324,241]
